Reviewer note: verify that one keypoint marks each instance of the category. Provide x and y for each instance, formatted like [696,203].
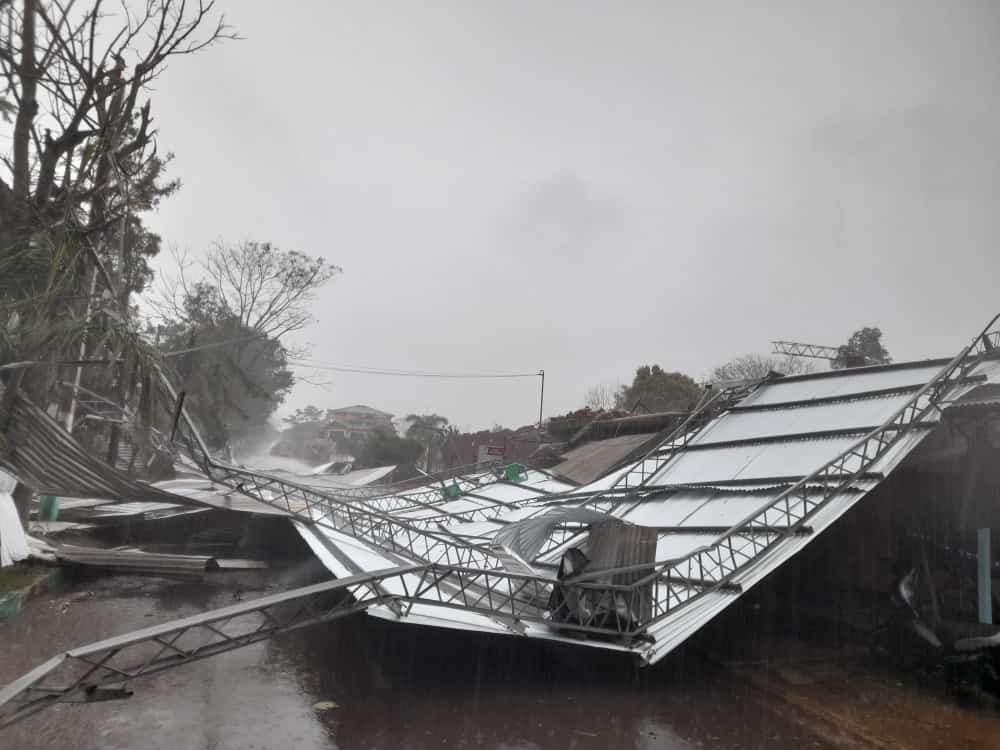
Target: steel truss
[402,496]
[797,349]
[103,670]
[86,673]
[471,576]
[416,539]
[718,563]
[588,603]
[631,487]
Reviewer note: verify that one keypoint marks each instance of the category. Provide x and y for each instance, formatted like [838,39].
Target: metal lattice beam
[798,349]
[719,562]
[470,575]
[627,489]
[103,670]
[84,674]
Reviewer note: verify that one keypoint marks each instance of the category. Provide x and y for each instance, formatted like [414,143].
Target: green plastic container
[515,473]
[48,508]
[10,605]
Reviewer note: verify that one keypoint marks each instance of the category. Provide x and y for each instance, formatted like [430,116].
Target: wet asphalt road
[393,686]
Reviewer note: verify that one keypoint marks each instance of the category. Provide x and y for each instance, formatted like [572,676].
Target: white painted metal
[13,541]
[704,510]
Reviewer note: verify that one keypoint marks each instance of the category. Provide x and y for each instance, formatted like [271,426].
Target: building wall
[358,423]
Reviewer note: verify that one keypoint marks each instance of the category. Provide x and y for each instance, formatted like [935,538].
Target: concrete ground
[392,686]
[362,683]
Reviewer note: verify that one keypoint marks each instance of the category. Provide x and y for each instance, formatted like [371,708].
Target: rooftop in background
[360,409]
[593,459]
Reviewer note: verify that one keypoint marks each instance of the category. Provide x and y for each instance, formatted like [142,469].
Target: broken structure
[636,561]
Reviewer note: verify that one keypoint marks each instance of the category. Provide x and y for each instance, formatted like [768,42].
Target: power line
[360,369]
[227,342]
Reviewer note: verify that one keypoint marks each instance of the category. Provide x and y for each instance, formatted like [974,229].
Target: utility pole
[541,399]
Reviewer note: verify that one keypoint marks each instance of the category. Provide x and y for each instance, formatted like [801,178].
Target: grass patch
[17,577]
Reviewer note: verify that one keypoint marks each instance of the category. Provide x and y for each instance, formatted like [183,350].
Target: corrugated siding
[45,457]
[840,383]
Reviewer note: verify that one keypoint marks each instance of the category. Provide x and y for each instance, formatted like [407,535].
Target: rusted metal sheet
[589,461]
[47,458]
[136,561]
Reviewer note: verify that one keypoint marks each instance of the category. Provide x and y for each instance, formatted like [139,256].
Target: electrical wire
[360,369]
[227,342]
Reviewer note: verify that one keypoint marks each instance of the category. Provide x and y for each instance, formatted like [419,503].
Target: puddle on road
[394,686]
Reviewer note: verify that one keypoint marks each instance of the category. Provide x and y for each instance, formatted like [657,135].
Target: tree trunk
[27,109]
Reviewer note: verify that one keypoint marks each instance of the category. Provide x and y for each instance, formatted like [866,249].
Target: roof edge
[912,365]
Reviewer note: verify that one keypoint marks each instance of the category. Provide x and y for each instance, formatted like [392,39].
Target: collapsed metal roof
[728,495]
[747,481]
[711,494]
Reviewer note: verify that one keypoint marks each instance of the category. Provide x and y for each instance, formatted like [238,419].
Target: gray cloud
[587,187]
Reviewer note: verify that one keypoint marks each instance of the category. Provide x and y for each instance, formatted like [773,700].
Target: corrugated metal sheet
[141,511]
[362,477]
[725,510]
[206,492]
[843,382]
[47,458]
[135,561]
[199,490]
[732,470]
[593,460]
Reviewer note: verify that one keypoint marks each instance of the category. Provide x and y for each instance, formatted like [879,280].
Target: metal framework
[673,583]
[103,670]
[86,673]
[817,351]
[463,565]
[798,349]
[718,563]
[443,570]
[630,487]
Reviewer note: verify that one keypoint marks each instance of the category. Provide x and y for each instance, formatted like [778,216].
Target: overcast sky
[587,187]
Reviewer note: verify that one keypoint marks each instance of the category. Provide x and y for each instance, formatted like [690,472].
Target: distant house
[501,445]
[357,422]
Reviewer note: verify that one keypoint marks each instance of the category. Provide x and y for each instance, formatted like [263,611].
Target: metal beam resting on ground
[87,673]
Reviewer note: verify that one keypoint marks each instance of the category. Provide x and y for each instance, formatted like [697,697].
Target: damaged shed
[640,559]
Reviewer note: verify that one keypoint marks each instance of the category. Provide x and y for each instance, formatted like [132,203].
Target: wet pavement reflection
[365,683]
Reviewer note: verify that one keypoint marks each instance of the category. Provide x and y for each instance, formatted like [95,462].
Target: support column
[985,579]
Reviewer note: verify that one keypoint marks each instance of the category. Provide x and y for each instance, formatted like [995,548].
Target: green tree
[864,347]
[232,317]
[307,415]
[234,377]
[429,430]
[384,450]
[77,168]
[654,390]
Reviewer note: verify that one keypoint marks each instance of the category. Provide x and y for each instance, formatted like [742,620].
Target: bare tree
[755,367]
[265,289]
[82,158]
[601,397]
[75,75]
